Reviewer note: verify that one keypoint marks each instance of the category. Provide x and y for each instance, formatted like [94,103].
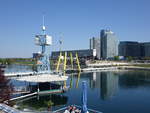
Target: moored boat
[76,108]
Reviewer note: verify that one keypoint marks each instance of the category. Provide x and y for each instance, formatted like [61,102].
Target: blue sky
[75,20]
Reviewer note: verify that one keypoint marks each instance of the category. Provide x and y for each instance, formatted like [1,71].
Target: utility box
[43,40]
[48,40]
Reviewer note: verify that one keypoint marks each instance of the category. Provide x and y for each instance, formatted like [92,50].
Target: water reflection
[71,80]
[18,68]
[134,79]
[39,103]
[119,92]
[77,81]
[106,82]
[109,85]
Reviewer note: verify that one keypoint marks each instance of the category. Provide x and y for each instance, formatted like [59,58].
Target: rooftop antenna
[43,26]
[60,42]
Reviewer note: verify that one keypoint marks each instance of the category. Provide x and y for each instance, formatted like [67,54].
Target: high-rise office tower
[109,44]
[95,44]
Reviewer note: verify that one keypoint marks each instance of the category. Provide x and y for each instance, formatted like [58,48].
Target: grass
[142,65]
[25,62]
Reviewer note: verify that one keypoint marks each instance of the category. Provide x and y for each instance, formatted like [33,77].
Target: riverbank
[112,65]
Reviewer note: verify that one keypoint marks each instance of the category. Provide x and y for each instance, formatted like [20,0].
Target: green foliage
[116,57]
[146,58]
[49,103]
[5,61]
[142,65]
[129,58]
[8,61]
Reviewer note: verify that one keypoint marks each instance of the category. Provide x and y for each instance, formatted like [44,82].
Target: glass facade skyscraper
[109,44]
[95,44]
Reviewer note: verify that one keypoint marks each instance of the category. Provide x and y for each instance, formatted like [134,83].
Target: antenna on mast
[43,26]
[60,41]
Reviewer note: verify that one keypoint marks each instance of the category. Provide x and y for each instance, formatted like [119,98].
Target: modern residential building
[109,44]
[129,48]
[96,44]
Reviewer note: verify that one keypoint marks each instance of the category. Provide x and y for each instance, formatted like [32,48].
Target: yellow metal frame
[59,60]
[78,63]
[65,61]
[71,58]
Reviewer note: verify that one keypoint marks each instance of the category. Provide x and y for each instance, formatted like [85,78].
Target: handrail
[95,111]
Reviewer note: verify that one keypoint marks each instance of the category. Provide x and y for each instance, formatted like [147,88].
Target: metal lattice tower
[43,40]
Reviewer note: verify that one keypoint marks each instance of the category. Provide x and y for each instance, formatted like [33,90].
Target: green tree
[116,57]
[129,58]
[49,104]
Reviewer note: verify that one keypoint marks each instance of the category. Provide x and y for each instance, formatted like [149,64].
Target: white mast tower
[43,40]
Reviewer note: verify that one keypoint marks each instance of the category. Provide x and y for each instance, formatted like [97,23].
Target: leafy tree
[116,57]
[49,104]
[129,58]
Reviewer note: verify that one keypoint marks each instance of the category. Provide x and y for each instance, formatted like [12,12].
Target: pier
[15,74]
[42,78]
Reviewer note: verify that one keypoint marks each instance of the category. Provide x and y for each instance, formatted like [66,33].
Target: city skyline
[74,21]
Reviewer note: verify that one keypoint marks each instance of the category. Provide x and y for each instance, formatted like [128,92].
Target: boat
[77,108]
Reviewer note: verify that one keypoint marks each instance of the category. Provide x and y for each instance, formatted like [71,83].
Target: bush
[129,58]
[116,57]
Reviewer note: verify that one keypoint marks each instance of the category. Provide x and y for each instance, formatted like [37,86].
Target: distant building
[85,53]
[96,44]
[129,48]
[145,49]
[109,44]
[134,49]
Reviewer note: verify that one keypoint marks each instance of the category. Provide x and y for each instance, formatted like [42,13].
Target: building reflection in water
[107,82]
[76,82]
[140,79]
[109,85]
[71,81]
[40,104]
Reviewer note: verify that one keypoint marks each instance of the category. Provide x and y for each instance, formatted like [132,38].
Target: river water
[108,92]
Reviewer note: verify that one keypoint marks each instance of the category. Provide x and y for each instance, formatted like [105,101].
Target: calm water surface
[109,92]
